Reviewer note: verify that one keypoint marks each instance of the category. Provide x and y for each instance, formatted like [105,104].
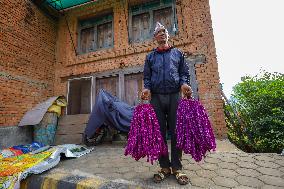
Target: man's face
[161,36]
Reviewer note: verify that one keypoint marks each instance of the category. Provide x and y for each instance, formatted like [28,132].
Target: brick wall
[27,57]
[195,36]
[30,43]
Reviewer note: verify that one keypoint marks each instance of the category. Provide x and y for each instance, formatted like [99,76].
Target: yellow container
[55,108]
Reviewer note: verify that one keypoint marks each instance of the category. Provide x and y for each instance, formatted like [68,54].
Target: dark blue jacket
[166,71]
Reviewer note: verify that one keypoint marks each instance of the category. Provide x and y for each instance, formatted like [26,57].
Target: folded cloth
[194,132]
[144,137]
[29,147]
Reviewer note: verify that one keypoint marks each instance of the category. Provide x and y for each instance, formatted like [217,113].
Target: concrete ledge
[66,179]
[14,135]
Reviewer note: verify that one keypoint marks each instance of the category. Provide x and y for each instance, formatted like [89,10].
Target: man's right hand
[186,91]
[146,94]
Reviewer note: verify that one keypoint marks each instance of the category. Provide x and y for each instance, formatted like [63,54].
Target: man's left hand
[186,91]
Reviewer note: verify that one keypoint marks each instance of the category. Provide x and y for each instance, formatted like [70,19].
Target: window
[140,26]
[95,33]
[144,17]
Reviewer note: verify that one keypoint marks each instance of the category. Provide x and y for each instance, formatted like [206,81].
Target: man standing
[165,75]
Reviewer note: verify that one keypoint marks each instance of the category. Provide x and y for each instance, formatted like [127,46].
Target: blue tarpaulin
[111,111]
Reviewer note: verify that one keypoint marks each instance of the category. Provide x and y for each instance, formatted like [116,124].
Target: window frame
[94,25]
[163,5]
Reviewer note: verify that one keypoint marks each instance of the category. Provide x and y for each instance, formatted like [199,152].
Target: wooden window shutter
[104,35]
[110,84]
[164,16]
[133,85]
[140,27]
[87,40]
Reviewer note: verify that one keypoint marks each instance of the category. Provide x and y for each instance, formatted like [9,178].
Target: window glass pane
[164,16]
[104,35]
[87,40]
[140,27]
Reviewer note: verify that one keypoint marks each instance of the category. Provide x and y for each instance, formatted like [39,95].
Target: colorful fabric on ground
[9,152]
[144,138]
[10,182]
[11,168]
[20,149]
[16,164]
[194,132]
[16,168]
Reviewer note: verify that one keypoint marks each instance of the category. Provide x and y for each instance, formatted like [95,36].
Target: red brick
[42,52]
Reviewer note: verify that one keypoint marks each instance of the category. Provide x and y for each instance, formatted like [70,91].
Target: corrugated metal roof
[65,4]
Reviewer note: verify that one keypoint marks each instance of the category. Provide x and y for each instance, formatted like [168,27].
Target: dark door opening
[79,97]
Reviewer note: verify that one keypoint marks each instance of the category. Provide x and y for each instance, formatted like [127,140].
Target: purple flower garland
[144,137]
[194,132]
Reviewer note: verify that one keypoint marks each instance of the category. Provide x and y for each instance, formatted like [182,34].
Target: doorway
[79,96]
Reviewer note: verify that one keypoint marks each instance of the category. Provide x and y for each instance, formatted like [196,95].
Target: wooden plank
[68,139]
[71,129]
[133,88]
[85,105]
[93,91]
[110,84]
[73,119]
[104,35]
[108,33]
[121,90]
[87,40]
[100,42]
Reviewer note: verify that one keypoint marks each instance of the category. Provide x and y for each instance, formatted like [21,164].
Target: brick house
[99,44]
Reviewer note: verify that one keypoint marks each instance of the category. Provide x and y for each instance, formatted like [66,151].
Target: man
[165,75]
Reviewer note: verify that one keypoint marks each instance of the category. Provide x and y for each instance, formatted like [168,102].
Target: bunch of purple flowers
[194,132]
[144,137]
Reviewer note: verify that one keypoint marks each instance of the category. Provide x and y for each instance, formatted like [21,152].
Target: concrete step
[70,129]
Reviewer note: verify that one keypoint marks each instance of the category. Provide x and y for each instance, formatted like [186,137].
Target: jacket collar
[163,50]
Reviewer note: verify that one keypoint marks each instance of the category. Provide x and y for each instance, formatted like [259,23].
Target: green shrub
[259,103]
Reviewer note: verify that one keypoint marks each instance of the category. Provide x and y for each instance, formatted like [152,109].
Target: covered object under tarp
[109,110]
[35,115]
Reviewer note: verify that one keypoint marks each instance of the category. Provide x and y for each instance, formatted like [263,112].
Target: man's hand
[186,91]
[146,94]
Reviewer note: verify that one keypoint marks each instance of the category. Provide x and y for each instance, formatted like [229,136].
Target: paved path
[226,168]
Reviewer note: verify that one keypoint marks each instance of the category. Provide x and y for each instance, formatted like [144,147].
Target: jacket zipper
[164,73]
